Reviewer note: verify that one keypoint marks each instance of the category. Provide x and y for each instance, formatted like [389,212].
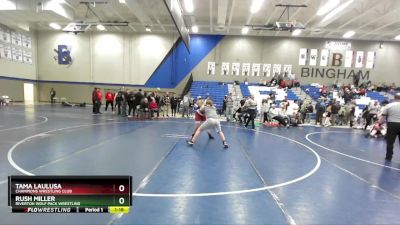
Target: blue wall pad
[178,63]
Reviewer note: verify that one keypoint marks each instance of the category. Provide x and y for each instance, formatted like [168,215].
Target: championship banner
[267,70]
[225,68]
[313,57]
[27,57]
[324,57]
[5,51]
[235,69]
[16,54]
[276,69]
[303,57]
[211,68]
[348,59]
[5,35]
[255,70]
[246,69]
[287,69]
[16,39]
[370,60]
[359,59]
[26,41]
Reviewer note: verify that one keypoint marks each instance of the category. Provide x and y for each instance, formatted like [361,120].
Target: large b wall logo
[63,55]
[339,61]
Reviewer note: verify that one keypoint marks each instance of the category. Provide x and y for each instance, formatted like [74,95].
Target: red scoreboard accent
[69,194]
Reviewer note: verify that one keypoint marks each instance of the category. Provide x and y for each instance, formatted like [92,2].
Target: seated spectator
[277,115]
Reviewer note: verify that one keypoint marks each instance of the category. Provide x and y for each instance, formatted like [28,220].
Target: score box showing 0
[91,194]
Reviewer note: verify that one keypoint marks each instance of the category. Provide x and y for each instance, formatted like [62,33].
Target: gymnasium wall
[14,74]
[280,50]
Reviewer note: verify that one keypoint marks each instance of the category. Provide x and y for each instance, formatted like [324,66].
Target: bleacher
[245,90]
[291,95]
[375,96]
[215,90]
[312,91]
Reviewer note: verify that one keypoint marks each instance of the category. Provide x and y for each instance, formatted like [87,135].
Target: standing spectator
[125,97]
[52,96]
[392,114]
[356,79]
[94,99]
[186,105]
[138,96]
[320,108]
[110,100]
[174,104]
[335,111]
[264,111]
[224,105]
[229,107]
[131,103]
[167,101]
[99,97]
[251,106]
[118,100]
[352,113]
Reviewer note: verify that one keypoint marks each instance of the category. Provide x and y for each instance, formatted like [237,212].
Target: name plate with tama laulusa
[70,194]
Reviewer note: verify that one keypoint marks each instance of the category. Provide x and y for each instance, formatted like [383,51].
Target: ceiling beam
[211,15]
[379,28]
[361,15]
[294,14]
[231,15]
[120,17]
[271,15]
[155,16]
[337,16]
[222,12]
[137,8]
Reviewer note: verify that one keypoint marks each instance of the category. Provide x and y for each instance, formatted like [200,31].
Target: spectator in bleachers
[229,107]
[347,95]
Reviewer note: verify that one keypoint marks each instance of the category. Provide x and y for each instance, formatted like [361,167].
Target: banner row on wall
[248,69]
[15,46]
[327,57]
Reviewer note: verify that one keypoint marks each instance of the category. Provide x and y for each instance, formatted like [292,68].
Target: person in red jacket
[110,100]
[154,107]
[99,97]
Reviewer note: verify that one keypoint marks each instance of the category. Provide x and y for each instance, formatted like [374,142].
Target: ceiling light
[397,38]
[245,30]
[100,27]
[148,29]
[331,4]
[8,5]
[55,26]
[256,6]
[349,34]
[189,6]
[122,1]
[296,32]
[337,10]
[195,29]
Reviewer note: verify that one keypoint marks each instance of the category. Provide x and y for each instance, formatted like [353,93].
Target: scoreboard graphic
[70,194]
